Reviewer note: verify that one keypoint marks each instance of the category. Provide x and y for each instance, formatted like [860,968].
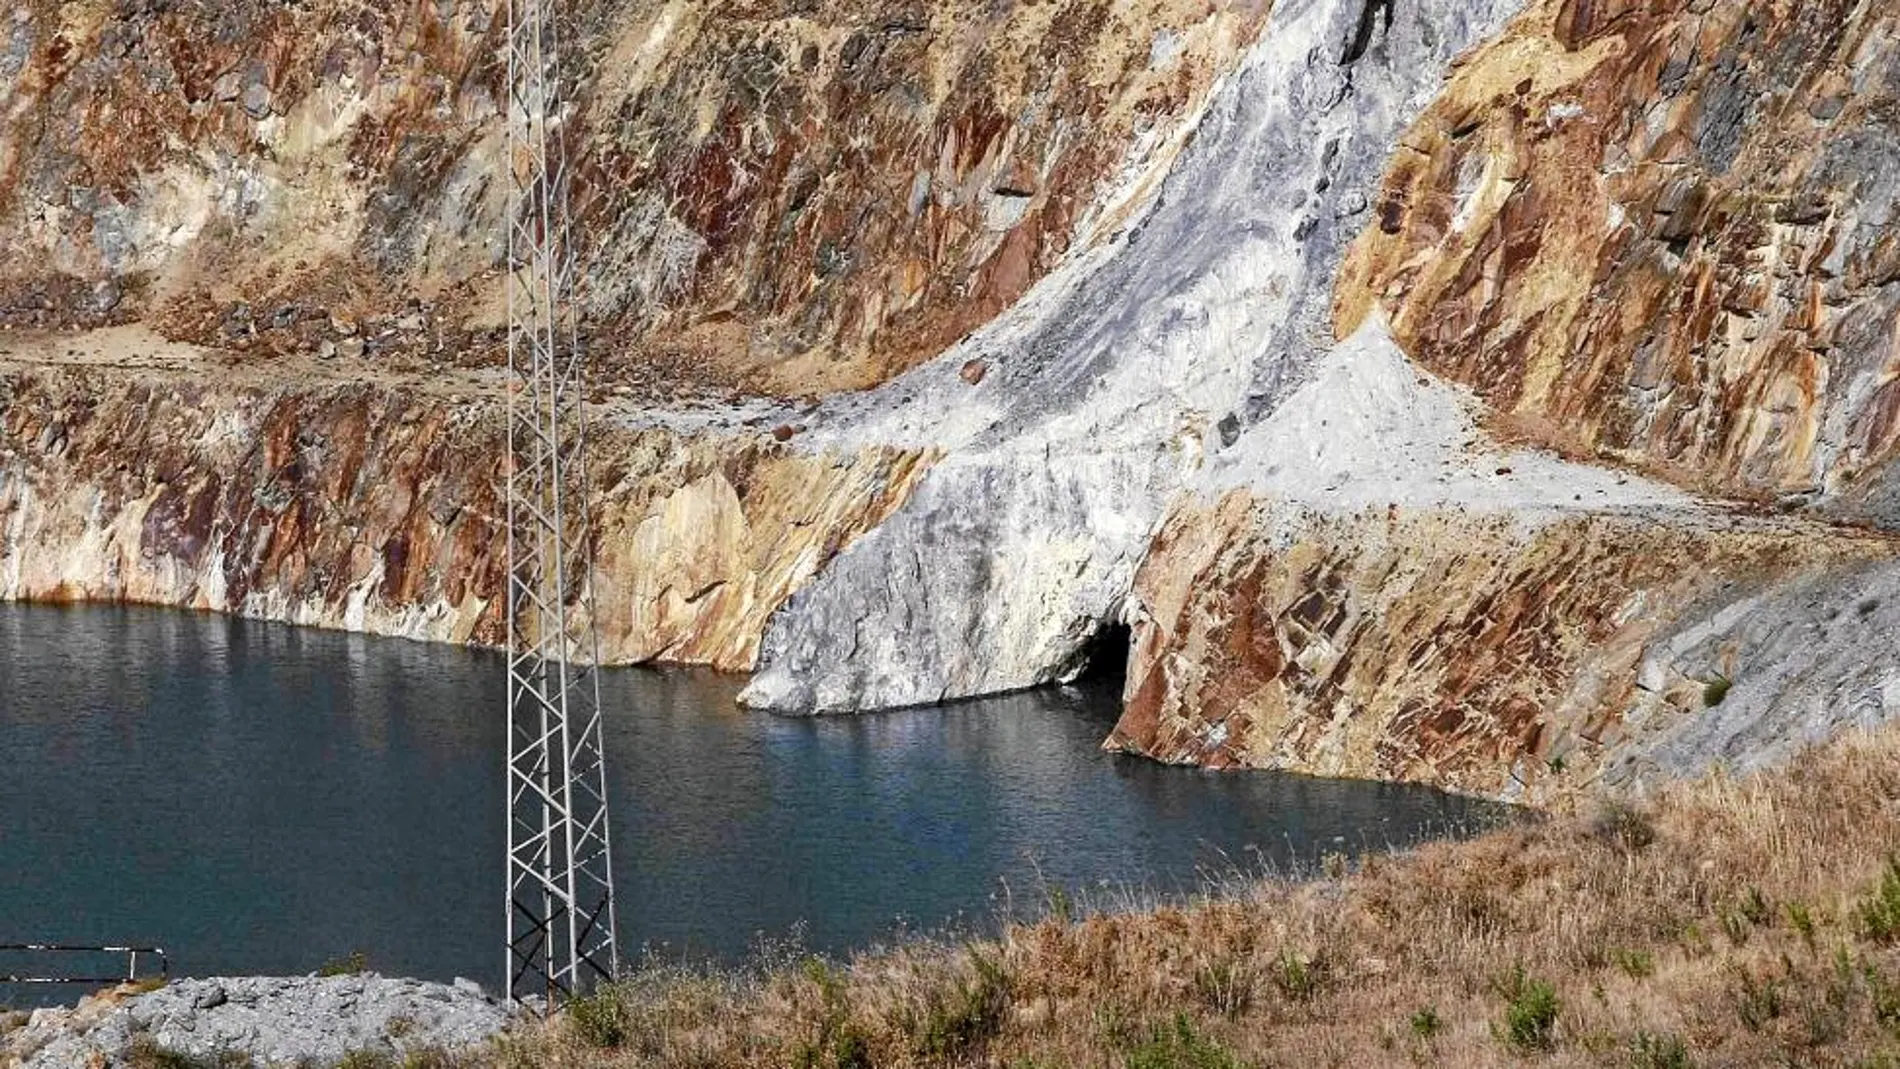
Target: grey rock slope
[1115,380]
[1799,663]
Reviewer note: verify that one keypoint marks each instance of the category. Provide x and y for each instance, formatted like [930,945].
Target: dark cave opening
[1103,660]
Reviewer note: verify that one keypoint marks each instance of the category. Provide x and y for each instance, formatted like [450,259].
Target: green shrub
[851,1050]
[1756,1001]
[1426,1023]
[1061,905]
[1637,964]
[1297,976]
[1877,918]
[1530,1016]
[146,1053]
[967,1015]
[1801,919]
[1649,1050]
[1884,994]
[599,1019]
[350,964]
[1226,986]
[1754,908]
[1180,1047]
[839,1042]
[1715,690]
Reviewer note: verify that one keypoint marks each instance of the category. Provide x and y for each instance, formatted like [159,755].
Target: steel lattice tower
[560,875]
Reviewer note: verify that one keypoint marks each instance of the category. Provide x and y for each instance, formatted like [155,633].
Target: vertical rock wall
[1661,232]
[794,196]
[1112,382]
[139,470]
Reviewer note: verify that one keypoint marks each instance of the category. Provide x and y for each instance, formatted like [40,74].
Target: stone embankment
[256,1020]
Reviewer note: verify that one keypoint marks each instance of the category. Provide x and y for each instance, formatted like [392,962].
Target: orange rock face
[790,196]
[140,471]
[1435,645]
[1659,230]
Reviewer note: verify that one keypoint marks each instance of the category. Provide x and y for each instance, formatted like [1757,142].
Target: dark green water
[258,799]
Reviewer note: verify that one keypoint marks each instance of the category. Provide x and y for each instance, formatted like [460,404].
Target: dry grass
[1726,924]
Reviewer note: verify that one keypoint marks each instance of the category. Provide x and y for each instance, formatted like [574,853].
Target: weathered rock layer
[132,469]
[801,196]
[1489,394]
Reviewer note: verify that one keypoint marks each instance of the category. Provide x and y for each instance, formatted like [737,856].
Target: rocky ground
[262,1021]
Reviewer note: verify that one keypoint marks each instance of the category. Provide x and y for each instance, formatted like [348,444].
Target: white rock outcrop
[1113,382]
[270,1021]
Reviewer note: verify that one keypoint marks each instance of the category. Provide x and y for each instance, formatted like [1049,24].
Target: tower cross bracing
[561,922]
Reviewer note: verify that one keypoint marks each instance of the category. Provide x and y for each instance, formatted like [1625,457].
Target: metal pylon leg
[561,923]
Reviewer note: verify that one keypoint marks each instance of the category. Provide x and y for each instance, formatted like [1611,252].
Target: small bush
[1649,1050]
[1061,906]
[1297,976]
[1530,1016]
[1884,994]
[351,964]
[1426,1023]
[1715,690]
[839,1042]
[1637,964]
[1877,918]
[850,1049]
[1180,1047]
[1226,986]
[1754,908]
[1623,826]
[968,1015]
[1756,1001]
[1801,919]
[599,1019]
[366,1059]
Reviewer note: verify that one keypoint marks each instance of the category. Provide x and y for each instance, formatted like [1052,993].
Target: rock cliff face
[1388,595]
[1660,233]
[136,469]
[798,195]
[1484,394]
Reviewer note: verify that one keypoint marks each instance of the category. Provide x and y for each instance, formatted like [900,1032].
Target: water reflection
[258,798]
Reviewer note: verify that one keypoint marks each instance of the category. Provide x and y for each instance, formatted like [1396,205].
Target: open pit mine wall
[1273,427]
[1490,394]
[294,494]
[793,195]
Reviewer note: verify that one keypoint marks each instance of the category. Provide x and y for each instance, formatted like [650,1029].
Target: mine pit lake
[259,798]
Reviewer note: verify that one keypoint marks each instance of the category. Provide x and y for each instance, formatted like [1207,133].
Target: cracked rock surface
[273,1021]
